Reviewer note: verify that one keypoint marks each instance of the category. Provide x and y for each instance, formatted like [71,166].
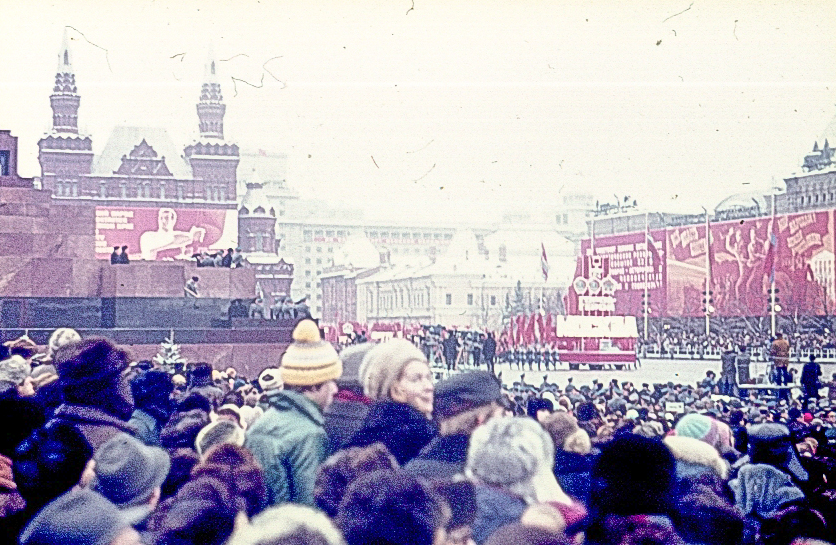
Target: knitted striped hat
[309,360]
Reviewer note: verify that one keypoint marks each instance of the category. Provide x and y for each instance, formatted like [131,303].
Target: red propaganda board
[742,259]
[632,260]
[164,233]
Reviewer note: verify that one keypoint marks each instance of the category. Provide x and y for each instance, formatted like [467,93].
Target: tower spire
[211,109]
[65,56]
[64,99]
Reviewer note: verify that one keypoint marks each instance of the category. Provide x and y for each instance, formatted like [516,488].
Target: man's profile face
[166,219]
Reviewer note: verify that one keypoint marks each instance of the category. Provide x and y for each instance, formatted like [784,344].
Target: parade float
[594,336]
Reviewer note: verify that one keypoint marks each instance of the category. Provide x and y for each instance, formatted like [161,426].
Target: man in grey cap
[80,517]
[461,404]
[130,474]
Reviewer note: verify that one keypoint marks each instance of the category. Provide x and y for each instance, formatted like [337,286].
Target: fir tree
[169,357]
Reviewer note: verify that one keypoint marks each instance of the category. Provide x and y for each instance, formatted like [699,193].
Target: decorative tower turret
[213,160]
[65,155]
[256,219]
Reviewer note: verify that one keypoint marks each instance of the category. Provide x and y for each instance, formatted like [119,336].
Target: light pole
[708,309]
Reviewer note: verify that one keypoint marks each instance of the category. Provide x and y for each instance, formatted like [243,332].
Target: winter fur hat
[352,358]
[288,523]
[182,429]
[89,365]
[382,366]
[633,475]
[309,360]
[761,489]
[560,426]
[15,369]
[60,337]
[219,432]
[688,450]
[509,452]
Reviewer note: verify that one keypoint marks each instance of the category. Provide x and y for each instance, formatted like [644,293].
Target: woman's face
[415,387]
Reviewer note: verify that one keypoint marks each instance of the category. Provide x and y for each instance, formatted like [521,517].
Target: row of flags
[526,330]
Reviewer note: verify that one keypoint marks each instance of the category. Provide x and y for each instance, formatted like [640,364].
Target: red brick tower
[212,159]
[64,154]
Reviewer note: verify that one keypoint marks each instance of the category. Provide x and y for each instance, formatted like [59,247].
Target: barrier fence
[823,355]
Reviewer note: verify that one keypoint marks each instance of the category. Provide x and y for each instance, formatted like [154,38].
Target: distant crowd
[365,447]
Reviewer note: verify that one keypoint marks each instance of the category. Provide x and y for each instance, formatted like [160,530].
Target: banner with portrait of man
[164,233]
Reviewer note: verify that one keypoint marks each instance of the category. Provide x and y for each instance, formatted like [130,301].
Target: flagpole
[646,266]
[772,276]
[707,275]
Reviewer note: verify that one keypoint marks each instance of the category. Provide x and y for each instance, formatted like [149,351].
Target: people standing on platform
[114,257]
[226,260]
[123,257]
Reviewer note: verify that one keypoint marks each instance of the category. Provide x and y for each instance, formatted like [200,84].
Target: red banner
[164,233]
[742,262]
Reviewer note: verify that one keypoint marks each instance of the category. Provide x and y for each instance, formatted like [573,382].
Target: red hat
[808,418]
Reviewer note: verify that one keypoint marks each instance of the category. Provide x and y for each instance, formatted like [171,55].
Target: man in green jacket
[289,440]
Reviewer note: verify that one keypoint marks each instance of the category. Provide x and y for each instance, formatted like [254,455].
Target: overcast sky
[404,109]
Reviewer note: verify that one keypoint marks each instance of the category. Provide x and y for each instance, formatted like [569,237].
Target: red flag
[653,250]
[529,332]
[549,328]
[520,327]
[541,329]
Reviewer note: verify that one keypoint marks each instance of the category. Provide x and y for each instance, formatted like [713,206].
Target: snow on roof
[123,139]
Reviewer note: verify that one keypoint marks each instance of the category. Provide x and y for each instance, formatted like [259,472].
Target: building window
[75,189]
[448,236]
[318,261]
[307,249]
[469,298]
[566,219]
[103,190]
[308,273]
[340,233]
[318,233]
[307,236]
[162,190]
[493,300]
[319,249]
[330,249]
[180,190]
[307,261]
[448,299]
[329,233]
[5,159]
[123,190]
[307,284]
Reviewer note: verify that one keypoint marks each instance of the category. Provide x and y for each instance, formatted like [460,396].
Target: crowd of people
[363,447]
[232,259]
[687,342]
